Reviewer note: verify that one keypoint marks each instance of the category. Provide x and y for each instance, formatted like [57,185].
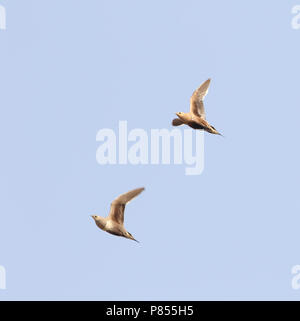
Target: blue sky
[70,68]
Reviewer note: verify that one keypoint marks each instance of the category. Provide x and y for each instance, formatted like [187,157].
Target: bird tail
[129,236]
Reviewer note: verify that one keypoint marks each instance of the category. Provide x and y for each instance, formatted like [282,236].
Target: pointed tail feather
[129,236]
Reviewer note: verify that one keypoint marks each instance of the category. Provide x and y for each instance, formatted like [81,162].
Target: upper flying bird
[195,118]
[114,222]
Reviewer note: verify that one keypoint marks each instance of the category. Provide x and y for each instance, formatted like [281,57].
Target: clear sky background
[69,68]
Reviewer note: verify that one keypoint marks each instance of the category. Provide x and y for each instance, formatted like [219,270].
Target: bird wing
[117,207]
[196,102]
[201,121]
[177,122]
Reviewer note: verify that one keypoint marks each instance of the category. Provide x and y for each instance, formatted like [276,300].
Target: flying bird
[195,118]
[114,222]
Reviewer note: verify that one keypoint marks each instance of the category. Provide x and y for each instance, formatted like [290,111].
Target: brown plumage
[114,222]
[195,118]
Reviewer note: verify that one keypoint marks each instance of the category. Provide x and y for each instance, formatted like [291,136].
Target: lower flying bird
[114,222]
[195,118]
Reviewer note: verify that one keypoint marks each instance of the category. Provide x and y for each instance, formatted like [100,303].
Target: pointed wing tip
[127,197]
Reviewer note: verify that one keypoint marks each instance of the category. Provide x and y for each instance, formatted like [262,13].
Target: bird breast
[111,226]
[114,228]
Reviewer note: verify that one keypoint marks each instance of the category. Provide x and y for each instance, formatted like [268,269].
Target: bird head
[100,221]
[180,115]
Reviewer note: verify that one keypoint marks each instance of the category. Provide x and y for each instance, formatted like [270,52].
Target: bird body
[114,222]
[196,118]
